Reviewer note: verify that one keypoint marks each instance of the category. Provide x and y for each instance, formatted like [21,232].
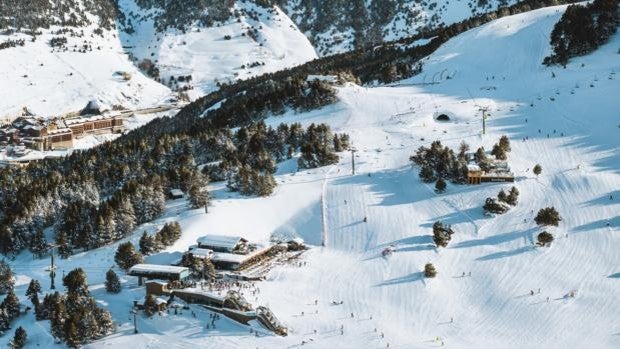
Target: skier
[365,219]
[531,292]
[451,320]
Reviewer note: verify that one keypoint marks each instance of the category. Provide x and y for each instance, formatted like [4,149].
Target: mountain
[209,42]
[342,25]
[188,47]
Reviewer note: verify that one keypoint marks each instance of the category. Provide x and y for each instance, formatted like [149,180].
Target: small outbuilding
[175,194]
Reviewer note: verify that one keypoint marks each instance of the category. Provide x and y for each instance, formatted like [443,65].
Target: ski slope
[492,307]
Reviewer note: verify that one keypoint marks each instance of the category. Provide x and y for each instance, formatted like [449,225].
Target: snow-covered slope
[498,66]
[257,41]
[51,81]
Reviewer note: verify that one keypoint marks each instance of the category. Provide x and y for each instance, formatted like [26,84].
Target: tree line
[582,29]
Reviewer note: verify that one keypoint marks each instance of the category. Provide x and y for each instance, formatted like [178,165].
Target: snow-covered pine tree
[147,244]
[5,321]
[11,304]
[34,288]
[126,256]
[125,217]
[7,281]
[112,283]
[64,247]
[38,243]
[19,340]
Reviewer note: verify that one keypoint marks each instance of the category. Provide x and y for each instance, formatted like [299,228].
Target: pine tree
[38,244]
[499,152]
[501,196]
[5,321]
[71,334]
[504,143]
[548,216]
[513,196]
[544,239]
[147,244]
[430,271]
[198,197]
[7,241]
[19,340]
[537,170]
[112,283]
[125,217]
[11,305]
[7,281]
[480,156]
[150,305]
[58,313]
[440,185]
[34,288]
[427,174]
[126,256]
[441,234]
[75,282]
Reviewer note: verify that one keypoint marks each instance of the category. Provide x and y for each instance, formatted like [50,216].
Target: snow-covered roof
[201,252]
[59,130]
[472,167]
[158,301]
[90,118]
[176,192]
[228,257]
[157,268]
[298,241]
[237,258]
[220,241]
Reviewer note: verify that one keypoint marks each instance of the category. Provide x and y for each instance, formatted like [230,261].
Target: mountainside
[189,47]
[54,60]
[208,43]
[342,25]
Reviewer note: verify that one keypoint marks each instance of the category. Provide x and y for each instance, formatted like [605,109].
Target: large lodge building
[58,133]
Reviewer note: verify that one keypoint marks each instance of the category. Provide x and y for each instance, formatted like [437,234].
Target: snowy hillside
[54,80]
[255,41]
[564,119]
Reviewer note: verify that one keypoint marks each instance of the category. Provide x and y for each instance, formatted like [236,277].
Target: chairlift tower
[485,114]
[353,151]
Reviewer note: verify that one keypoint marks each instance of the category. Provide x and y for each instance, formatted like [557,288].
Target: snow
[219,241]
[157,268]
[51,83]
[208,57]
[492,307]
